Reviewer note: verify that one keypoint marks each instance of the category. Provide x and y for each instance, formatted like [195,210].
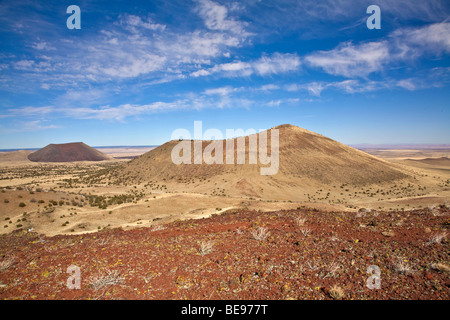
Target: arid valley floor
[198,237]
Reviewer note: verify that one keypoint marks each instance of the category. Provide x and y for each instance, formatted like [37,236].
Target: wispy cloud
[412,43]
[133,23]
[403,45]
[216,17]
[135,47]
[122,112]
[330,17]
[277,63]
[434,78]
[351,60]
[25,126]
[31,111]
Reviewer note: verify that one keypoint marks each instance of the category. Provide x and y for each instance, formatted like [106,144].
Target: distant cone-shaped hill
[304,157]
[67,152]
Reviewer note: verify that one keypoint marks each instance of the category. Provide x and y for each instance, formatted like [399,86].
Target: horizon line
[356,146]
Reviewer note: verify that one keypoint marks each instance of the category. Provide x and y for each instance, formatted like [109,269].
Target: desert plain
[140,228]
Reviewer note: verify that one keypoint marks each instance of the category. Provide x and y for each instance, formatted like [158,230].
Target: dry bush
[434,210]
[299,221]
[360,214]
[206,247]
[334,238]
[260,234]
[305,231]
[332,269]
[437,238]
[402,267]
[312,265]
[100,281]
[104,241]
[336,292]
[157,228]
[7,263]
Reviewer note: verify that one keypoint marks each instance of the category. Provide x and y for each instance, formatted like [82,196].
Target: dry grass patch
[206,247]
[299,221]
[102,280]
[402,267]
[260,234]
[437,238]
[336,292]
[7,263]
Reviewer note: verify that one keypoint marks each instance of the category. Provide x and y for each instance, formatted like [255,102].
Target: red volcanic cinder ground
[322,255]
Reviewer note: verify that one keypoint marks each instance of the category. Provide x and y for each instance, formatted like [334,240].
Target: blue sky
[138,70]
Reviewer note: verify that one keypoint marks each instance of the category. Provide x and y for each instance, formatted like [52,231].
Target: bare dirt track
[294,254]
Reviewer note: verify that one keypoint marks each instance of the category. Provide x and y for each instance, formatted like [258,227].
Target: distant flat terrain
[444,161]
[408,152]
[125,152]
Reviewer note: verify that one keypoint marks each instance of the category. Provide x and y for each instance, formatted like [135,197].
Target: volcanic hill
[67,152]
[306,160]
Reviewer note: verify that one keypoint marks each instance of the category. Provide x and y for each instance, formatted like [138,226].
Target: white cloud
[121,112]
[201,44]
[403,45]
[277,103]
[223,91]
[24,64]
[351,60]
[315,88]
[268,87]
[132,22]
[216,18]
[30,111]
[131,47]
[24,126]
[436,77]
[200,73]
[234,66]
[407,84]
[277,63]
[412,43]
[113,41]
[42,45]
[312,19]
[133,66]
[36,125]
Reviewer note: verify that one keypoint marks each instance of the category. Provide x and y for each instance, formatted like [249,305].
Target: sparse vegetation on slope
[218,258]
